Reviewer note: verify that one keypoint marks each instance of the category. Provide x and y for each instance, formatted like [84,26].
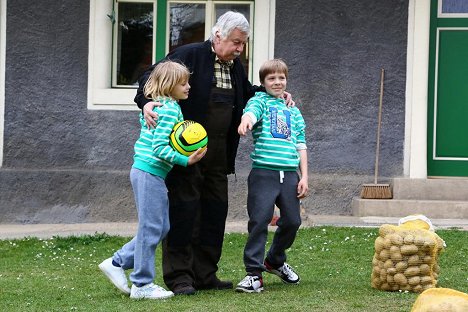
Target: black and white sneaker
[250,284]
[285,272]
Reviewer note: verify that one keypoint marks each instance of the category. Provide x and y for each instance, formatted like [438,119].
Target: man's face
[230,47]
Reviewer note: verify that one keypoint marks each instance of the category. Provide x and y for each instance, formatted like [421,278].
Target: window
[136,32]
[125,38]
[453,8]
[132,47]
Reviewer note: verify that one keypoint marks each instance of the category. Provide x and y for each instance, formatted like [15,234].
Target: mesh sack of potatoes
[406,256]
[441,300]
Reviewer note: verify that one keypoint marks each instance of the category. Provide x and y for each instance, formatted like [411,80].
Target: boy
[279,150]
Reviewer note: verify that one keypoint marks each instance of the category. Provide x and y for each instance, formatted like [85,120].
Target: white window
[125,39]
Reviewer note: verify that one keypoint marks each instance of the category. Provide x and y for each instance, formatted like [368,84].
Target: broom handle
[377,149]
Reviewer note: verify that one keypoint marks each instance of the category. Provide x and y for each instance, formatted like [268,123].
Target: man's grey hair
[228,22]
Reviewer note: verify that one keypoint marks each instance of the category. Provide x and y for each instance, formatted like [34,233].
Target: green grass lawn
[61,274]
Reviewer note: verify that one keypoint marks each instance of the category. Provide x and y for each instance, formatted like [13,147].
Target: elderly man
[198,195]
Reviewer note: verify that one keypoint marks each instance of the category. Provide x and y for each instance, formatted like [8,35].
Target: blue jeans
[153,224]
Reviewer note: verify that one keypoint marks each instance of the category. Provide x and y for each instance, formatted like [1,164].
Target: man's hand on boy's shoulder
[288,99]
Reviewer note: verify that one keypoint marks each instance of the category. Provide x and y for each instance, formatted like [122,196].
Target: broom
[377,191]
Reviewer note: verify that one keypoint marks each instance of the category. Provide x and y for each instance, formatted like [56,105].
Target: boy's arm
[246,124]
[252,113]
[303,185]
[300,130]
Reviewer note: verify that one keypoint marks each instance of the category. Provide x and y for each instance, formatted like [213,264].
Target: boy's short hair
[273,66]
[164,77]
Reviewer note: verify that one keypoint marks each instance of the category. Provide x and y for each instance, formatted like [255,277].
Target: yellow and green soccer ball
[188,136]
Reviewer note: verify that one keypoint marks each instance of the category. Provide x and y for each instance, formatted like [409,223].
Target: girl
[153,159]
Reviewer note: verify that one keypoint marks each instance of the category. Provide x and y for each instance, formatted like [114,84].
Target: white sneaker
[150,291]
[285,272]
[250,284]
[116,275]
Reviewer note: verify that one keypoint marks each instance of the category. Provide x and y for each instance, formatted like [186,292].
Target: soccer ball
[187,136]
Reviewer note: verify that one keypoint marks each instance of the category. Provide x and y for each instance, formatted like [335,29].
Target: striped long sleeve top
[153,154]
[278,133]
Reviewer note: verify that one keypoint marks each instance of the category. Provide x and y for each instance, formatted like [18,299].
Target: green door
[447,153]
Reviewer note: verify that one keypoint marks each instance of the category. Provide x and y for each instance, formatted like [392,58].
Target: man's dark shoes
[216,284]
[183,289]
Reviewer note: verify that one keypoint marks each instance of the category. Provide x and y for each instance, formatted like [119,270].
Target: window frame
[101,95]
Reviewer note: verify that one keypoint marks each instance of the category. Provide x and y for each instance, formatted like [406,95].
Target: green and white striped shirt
[153,154]
[278,133]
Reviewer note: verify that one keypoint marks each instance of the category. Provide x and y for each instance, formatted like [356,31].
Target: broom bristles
[376,191]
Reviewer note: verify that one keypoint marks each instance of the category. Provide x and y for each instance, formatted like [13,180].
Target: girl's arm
[161,148]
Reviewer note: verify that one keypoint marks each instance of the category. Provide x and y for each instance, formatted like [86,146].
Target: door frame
[439,166]
[415,143]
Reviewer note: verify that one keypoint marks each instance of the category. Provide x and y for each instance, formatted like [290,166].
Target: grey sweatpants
[265,189]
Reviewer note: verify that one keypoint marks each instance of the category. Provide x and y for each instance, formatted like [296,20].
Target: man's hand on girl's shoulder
[151,117]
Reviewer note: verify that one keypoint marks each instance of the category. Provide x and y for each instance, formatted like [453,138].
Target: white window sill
[112,99]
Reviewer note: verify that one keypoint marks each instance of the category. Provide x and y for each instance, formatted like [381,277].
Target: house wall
[335,50]
[62,162]
[65,163]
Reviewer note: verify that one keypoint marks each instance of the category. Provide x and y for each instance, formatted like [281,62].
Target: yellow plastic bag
[416,222]
[441,300]
[406,257]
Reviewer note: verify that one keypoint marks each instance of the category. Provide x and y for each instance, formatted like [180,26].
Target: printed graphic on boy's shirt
[280,124]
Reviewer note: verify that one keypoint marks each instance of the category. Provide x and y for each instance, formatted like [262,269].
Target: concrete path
[12,231]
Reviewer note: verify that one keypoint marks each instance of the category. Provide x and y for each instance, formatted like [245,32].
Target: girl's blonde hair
[164,77]
[271,67]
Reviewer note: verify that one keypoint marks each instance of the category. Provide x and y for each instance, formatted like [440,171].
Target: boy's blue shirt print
[280,124]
